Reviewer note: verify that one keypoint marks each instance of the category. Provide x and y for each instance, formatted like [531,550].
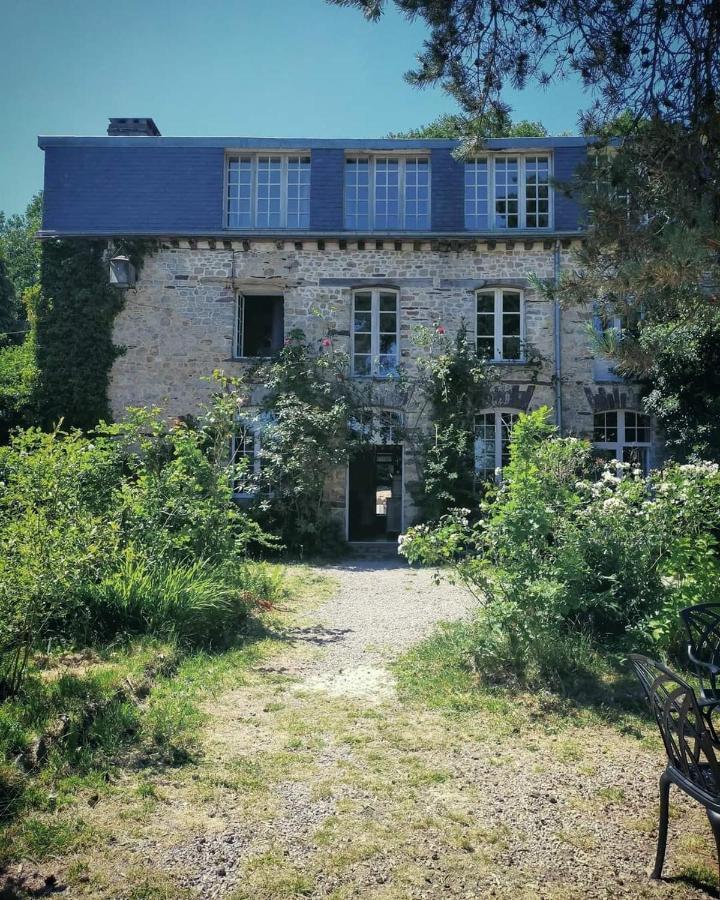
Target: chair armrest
[712,669]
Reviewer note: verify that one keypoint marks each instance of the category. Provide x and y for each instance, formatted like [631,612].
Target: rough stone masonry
[179,324]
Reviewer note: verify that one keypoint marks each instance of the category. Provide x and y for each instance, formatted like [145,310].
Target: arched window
[623,434]
[375,344]
[500,324]
[492,440]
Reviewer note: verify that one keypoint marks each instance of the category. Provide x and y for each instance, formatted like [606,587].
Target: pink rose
[326,342]
[440,329]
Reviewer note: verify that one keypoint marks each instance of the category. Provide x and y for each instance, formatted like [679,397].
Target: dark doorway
[375,494]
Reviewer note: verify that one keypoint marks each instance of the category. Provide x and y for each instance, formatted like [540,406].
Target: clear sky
[285,68]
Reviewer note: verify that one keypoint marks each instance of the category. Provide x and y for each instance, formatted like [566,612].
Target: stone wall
[178,325]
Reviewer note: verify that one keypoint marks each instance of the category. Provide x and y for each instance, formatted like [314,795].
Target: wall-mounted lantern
[122,272]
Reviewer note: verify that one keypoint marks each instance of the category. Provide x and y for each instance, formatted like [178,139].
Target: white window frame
[238,349]
[402,159]
[522,158]
[481,474]
[375,293]
[254,157]
[253,425]
[498,334]
[618,446]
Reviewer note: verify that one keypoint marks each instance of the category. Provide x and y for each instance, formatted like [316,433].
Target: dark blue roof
[174,186]
[262,143]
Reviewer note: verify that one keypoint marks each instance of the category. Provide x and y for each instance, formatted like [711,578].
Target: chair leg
[715,825]
[663,826]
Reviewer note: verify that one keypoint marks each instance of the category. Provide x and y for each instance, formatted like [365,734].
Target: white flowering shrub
[569,544]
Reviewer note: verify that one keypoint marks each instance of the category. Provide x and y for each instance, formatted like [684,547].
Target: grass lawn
[247,783]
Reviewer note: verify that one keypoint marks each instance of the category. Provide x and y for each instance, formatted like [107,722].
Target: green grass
[137,704]
[571,679]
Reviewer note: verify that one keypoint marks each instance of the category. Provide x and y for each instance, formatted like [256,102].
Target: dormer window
[387,193]
[506,192]
[268,191]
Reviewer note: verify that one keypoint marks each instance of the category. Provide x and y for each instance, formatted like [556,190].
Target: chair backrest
[682,727]
[702,624]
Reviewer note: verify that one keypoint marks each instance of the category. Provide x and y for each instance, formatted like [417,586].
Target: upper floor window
[259,325]
[268,191]
[507,192]
[499,324]
[493,429]
[387,193]
[375,348]
[624,435]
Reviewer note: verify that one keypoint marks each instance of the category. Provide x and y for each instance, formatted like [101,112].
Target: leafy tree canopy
[20,248]
[457,127]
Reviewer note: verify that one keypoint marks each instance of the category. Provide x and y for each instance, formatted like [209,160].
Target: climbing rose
[440,329]
[326,342]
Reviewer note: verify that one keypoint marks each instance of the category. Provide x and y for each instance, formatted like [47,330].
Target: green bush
[568,545]
[195,603]
[131,529]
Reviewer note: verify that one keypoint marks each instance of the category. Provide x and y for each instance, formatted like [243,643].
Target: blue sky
[281,68]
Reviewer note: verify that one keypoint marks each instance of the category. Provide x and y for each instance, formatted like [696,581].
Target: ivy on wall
[72,316]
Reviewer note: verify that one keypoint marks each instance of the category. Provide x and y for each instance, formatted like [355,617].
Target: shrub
[570,546]
[129,529]
[195,603]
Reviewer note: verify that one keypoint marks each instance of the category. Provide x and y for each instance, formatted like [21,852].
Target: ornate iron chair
[692,764]
[702,624]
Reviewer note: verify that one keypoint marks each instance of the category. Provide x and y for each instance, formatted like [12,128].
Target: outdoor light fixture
[122,272]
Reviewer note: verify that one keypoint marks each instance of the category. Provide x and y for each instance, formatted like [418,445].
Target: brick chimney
[135,127]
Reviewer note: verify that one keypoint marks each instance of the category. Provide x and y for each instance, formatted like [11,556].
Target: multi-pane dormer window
[387,193]
[507,192]
[268,191]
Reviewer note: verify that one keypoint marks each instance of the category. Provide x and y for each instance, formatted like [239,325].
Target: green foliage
[18,386]
[72,320]
[455,383]
[568,546]
[129,530]
[306,421]
[7,303]
[457,127]
[651,259]
[649,58]
[21,249]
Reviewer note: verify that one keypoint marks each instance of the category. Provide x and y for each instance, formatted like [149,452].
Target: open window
[260,325]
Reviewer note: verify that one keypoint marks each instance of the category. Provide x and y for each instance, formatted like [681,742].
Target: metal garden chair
[702,624]
[692,765]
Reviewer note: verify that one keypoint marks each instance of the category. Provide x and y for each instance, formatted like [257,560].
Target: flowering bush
[568,545]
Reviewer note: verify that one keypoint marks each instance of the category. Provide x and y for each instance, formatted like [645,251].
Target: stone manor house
[358,239]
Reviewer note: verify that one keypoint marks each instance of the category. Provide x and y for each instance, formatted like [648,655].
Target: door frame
[401,445]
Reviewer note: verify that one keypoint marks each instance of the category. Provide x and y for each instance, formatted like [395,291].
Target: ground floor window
[492,441]
[260,325]
[623,434]
[246,454]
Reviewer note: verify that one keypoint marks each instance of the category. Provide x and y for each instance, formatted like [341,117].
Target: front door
[375,494]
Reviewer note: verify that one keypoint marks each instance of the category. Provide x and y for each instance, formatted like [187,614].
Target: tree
[20,248]
[458,127]
[652,68]
[7,302]
[654,57]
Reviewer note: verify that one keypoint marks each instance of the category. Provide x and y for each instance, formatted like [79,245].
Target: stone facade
[179,323]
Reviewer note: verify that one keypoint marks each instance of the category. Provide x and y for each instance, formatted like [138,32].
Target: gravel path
[381,608]
[318,781]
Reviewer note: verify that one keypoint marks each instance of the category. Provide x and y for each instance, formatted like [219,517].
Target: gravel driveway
[317,780]
[381,608]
